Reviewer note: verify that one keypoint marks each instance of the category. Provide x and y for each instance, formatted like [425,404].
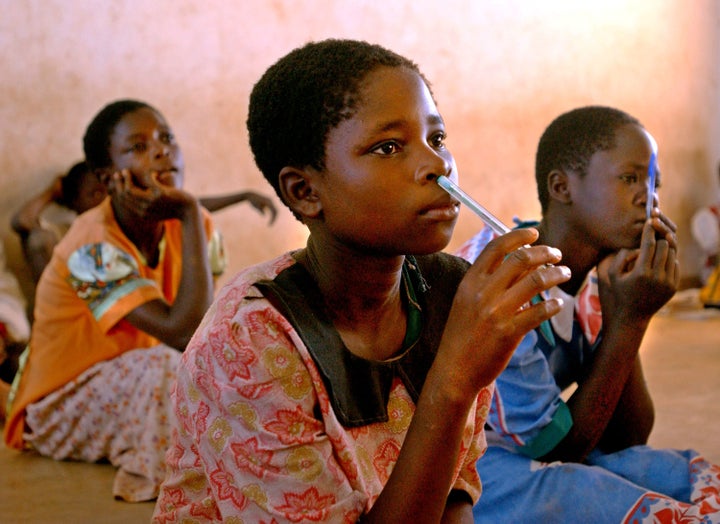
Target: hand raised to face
[149,196]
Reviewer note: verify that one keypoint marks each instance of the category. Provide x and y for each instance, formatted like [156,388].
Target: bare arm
[37,243]
[625,428]
[457,512]
[611,406]
[605,402]
[258,201]
[485,325]
[27,217]
[173,324]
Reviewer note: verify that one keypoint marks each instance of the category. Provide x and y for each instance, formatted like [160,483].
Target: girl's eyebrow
[432,119]
[142,135]
[631,164]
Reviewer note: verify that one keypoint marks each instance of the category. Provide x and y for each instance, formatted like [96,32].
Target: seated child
[45,218]
[586,460]
[14,327]
[351,379]
[705,227]
[120,298]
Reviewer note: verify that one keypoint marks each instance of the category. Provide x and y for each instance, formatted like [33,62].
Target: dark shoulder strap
[359,388]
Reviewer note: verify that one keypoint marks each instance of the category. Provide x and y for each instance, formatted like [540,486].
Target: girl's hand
[55,189]
[262,203]
[635,283]
[491,311]
[664,227]
[147,198]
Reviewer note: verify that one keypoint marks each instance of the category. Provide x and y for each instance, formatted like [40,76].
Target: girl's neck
[577,254]
[145,235]
[357,280]
[362,297]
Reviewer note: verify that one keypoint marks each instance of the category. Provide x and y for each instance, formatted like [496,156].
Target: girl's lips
[442,213]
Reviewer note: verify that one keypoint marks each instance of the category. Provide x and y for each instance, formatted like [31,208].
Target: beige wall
[500,70]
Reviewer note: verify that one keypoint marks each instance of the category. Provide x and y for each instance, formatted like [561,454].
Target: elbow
[178,341]
[644,423]
[645,426]
[17,225]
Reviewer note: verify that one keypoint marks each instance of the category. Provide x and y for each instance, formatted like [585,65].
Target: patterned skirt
[118,410]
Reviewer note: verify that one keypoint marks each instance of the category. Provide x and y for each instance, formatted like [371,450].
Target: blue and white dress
[529,417]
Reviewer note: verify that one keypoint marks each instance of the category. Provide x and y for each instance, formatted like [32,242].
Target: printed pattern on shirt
[101,272]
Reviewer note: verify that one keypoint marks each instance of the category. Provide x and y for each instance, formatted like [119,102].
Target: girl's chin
[432,247]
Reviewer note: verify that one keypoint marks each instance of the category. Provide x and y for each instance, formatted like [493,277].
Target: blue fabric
[526,396]
[528,418]
[517,489]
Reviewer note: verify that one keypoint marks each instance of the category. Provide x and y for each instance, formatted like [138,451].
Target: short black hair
[72,181]
[304,95]
[572,139]
[96,142]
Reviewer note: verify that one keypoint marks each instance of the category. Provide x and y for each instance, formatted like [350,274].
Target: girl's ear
[559,187]
[298,190]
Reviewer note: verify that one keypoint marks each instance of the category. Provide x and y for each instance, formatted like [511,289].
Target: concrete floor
[681,354]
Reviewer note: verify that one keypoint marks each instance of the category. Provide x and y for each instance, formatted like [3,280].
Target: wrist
[190,211]
[448,391]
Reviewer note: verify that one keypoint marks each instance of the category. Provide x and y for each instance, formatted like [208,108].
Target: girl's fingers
[660,259]
[507,282]
[665,228]
[531,317]
[499,248]
[125,180]
[647,245]
[117,182]
[509,265]
[665,220]
[533,284]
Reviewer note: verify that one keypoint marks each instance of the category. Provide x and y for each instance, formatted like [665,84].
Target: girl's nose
[161,150]
[436,164]
[642,198]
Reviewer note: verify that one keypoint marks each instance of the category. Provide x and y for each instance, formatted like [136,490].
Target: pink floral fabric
[704,505]
[258,440]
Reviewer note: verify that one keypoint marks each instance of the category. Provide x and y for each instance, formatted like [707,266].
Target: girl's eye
[139,147]
[629,178]
[438,140]
[386,148]
[168,138]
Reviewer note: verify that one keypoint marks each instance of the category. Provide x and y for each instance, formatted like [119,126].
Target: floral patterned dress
[279,422]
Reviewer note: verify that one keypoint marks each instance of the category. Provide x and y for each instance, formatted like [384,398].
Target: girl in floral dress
[351,379]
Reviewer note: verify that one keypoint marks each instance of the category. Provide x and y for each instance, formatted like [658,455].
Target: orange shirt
[95,278]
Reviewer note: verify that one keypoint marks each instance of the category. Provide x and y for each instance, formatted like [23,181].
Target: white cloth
[12,304]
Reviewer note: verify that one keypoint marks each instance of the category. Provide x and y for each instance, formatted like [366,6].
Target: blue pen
[498,227]
[652,175]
